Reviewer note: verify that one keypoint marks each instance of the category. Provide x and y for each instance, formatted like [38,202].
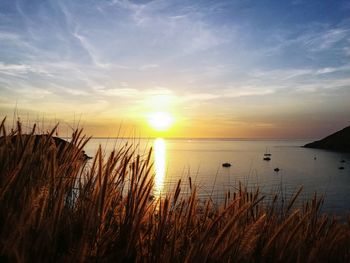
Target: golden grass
[55,207]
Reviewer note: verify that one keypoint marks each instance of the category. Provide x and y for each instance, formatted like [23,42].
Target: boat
[267,152]
[226,165]
[267,155]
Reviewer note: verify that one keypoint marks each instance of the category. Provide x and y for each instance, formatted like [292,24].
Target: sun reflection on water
[159,162]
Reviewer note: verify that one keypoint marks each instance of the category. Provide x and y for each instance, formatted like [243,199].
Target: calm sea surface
[315,170]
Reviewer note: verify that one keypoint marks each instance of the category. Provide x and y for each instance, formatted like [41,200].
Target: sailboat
[267,155]
[267,152]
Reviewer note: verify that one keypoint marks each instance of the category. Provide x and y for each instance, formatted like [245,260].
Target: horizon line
[199,138]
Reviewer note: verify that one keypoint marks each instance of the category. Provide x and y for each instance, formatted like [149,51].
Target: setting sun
[160,121]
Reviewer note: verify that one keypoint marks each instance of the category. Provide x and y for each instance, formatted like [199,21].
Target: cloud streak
[204,58]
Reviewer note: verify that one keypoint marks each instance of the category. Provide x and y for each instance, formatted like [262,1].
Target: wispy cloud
[13,70]
[9,36]
[21,69]
[149,66]
[320,41]
[88,47]
[200,58]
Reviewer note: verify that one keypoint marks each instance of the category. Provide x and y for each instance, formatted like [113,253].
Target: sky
[223,69]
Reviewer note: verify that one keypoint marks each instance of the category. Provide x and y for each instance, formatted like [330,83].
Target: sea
[199,161]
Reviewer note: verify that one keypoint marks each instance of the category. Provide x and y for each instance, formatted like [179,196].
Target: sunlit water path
[174,159]
[159,165]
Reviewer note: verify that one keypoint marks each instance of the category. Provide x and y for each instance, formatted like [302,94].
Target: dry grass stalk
[55,207]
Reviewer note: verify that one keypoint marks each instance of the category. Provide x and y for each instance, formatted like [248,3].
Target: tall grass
[55,207]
